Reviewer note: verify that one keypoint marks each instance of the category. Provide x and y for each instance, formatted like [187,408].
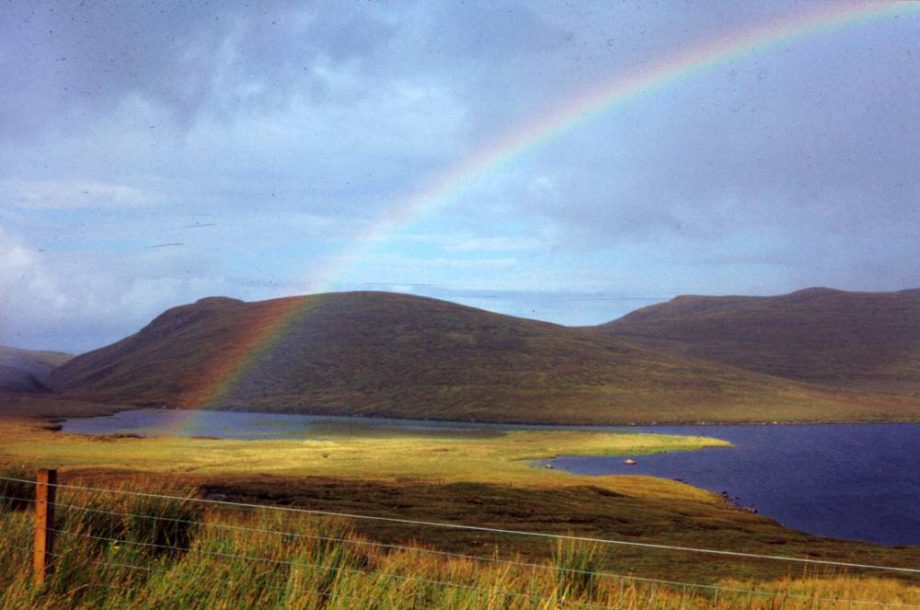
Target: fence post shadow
[43,553]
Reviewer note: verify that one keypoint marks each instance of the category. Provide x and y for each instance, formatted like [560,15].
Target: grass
[855,340]
[340,453]
[403,356]
[242,559]
[45,407]
[486,480]
[16,495]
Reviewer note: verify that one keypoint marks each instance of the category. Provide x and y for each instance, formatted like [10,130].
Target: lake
[855,481]
[261,426]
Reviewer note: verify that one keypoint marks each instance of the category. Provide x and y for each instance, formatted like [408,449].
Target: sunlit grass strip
[335,568]
[320,565]
[146,497]
[574,581]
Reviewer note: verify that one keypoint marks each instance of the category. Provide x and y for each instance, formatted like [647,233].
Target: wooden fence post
[45,488]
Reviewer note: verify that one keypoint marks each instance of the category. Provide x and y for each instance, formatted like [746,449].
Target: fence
[107,547]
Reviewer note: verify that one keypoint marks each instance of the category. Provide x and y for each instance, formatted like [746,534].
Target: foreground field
[465,478]
[123,550]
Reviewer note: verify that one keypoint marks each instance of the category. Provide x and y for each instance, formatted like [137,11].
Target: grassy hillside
[860,340]
[397,355]
[26,370]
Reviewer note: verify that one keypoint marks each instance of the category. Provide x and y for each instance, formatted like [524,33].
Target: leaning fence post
[45,488]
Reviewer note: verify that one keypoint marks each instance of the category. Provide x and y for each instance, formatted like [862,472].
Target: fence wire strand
[493,530]
[334,569]
[106,564]
[300,591]
[438,583]
[19,499]
[360,542]
[621,577]
[496,560]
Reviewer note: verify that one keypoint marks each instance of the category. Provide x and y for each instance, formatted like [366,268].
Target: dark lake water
[856,481]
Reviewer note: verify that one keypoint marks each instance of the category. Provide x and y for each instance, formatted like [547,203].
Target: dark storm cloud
[76,62]
[290,128]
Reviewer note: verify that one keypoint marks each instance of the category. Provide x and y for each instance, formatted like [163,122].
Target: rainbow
[446,187]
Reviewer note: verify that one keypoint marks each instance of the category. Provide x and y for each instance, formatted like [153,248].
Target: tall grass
[135,552]
[15,495]
[577,566]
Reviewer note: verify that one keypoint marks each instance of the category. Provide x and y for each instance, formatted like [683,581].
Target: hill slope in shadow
[855,340]
[27,371]
[386,354]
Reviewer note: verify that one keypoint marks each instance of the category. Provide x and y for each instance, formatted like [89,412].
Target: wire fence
[477,528]
[137,540]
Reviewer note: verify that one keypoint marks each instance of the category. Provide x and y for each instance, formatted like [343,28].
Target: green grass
[242,559]
[16,495]
[403,356]
[485,480]
[855,340]
[384,455]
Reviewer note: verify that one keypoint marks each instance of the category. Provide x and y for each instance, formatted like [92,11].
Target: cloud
[268,138]
[801,157]
[80,63]
[22,273]
[480,244]
[58,301]
[57,195]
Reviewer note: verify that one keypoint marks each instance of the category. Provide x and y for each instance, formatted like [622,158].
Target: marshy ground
[485,480]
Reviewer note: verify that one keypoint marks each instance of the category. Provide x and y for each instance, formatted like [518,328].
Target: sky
[154,153]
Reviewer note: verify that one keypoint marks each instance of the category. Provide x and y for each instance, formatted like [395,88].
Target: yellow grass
[501,458]
[456,477]
[125,553]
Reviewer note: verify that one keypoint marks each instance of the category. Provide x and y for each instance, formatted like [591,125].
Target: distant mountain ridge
[27,371]
[855,340]
[385,354]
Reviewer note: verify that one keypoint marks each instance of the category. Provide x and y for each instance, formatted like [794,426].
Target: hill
[855,340]
[385,354]
[26,370]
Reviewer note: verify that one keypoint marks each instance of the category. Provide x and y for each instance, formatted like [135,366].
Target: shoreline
[115,409]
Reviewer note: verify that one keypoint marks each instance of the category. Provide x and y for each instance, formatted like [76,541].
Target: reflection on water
[264,426]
